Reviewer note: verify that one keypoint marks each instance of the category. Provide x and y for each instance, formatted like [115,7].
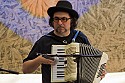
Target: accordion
[79,62]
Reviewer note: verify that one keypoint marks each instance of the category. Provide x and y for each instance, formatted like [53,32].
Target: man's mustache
[60,26]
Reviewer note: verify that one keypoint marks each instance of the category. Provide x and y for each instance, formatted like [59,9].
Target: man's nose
[59,22]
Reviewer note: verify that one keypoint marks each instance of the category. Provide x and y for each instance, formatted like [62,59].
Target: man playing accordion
[63,19]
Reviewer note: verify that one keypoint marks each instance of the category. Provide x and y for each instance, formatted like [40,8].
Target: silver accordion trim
[92,62]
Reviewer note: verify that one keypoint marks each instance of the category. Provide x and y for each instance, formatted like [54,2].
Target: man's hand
[103,74]
[103,71]
[47,60]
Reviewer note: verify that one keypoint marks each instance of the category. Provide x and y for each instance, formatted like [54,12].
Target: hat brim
[71,12]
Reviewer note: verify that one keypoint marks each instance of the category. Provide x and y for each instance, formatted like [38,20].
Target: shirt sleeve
[33,53]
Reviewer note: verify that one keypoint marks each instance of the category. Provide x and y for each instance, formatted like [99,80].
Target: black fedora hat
[63,6]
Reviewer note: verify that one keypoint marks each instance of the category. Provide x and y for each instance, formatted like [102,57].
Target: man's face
[61,23]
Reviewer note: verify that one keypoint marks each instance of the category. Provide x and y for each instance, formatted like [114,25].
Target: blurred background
[22,22]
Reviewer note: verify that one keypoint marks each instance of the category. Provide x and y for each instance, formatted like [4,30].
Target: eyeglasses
[63,19]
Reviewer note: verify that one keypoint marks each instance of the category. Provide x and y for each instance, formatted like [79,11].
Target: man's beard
[60,31]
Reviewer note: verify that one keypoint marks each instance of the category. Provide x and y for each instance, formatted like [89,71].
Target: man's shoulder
[82,36]
[44,38]
[80,33]
[47,35]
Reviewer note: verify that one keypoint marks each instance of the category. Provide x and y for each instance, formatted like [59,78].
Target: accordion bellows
[86,69]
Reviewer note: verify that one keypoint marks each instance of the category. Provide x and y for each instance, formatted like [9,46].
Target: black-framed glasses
[63,19]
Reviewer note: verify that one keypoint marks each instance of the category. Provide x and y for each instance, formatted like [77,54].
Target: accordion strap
[74,38]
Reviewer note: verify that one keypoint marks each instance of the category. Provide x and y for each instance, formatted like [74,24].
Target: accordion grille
[87,68]
[88,65]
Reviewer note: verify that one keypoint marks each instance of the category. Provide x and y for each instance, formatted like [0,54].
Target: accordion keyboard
[57,71]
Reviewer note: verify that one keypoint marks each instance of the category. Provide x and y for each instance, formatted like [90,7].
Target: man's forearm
[31,65]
